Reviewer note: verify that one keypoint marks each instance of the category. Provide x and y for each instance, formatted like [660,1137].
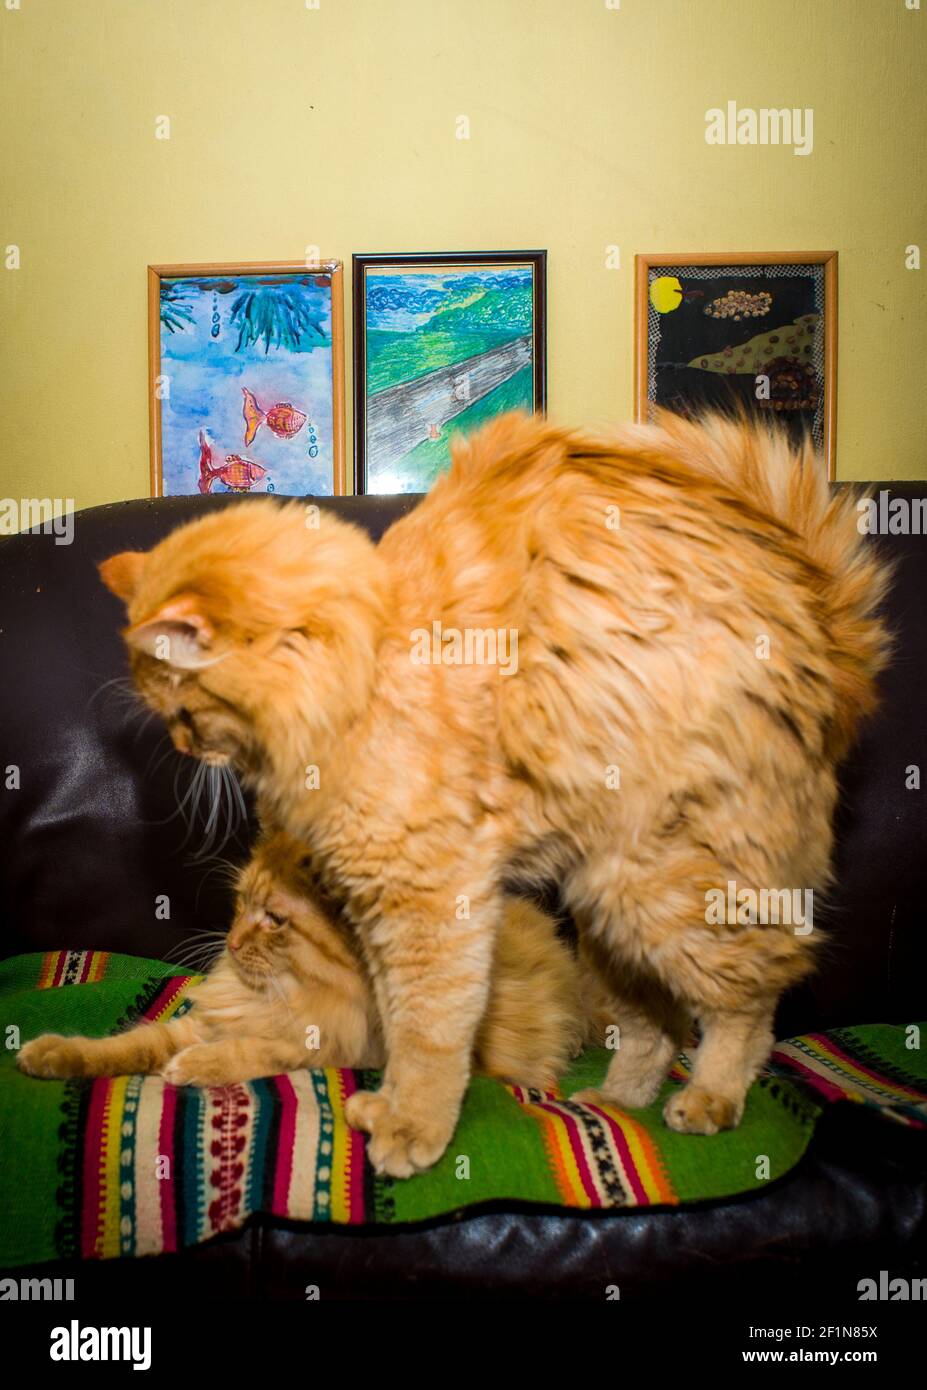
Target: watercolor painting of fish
[245,360]
[281,418]
[442,343]
[237,473]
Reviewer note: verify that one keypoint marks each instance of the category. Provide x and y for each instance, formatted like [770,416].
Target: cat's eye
[275,919]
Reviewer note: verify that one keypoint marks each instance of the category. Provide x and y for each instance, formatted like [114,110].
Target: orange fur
[694,612]
[289,990]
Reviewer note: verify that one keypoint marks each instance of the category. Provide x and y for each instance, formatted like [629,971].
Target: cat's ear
[121,573]
[179,634]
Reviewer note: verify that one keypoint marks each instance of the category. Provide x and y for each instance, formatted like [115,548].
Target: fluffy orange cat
[632,662]
[289,991]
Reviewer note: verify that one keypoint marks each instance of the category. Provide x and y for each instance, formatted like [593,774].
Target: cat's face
[248,619]
[282,922]
[202,722]
[266,923]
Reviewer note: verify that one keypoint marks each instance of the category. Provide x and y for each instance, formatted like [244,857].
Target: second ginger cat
[290,990]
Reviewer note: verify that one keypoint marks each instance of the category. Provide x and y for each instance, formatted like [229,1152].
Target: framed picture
[441,343]
[246,378]
[756,330]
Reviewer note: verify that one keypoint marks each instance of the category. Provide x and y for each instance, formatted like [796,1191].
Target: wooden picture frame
[293,428]
[802,387]
[486,353]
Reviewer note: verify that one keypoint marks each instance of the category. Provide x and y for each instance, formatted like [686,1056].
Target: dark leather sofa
[87,843]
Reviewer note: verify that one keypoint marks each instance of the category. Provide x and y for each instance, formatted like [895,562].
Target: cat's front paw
[197,1065]
[402,1141]
[693,1110]
[51,1056]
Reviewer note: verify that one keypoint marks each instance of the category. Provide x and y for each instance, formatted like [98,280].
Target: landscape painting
[442,343]
[748,332]
[247,379]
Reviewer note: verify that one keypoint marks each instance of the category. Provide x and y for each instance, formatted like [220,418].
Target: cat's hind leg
[733,1048]
[728,974]
[637,1020]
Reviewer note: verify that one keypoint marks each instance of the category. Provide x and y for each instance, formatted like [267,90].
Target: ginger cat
[690,625]
[290,990]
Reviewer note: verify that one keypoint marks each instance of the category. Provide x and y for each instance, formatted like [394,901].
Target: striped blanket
[134,1166]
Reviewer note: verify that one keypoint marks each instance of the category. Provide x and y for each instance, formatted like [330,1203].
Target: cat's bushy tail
[789,482]
[762,481]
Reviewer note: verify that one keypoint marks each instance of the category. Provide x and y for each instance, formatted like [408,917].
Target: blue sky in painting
[206,379]
[406,299]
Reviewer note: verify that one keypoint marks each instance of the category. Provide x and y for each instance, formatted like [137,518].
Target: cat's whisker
[231,867]
[209,950]
[202,932]
[195,966]
[189,948]
[204,951]
[219,836]
[214,790]
[144,724]
[229,781]
[227,871]
[193,796]
[199,954]
[215,864]
[223,791]
[165,755]
[122,692]
[196,969]
[191,789]
[199,965]
[238,795]
[121,684]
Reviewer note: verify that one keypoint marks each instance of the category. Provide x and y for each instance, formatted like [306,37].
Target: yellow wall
[336,126]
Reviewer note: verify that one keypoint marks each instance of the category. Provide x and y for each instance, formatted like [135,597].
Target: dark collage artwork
[734,341]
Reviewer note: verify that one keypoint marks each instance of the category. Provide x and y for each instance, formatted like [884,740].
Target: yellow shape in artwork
[665,293]
[794,341]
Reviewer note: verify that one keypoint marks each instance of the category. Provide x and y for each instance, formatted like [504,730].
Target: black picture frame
[537,259]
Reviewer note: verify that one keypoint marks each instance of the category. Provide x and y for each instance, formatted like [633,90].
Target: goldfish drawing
[239,474]
[281,419]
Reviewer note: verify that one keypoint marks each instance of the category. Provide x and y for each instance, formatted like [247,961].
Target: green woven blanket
[132,1166]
